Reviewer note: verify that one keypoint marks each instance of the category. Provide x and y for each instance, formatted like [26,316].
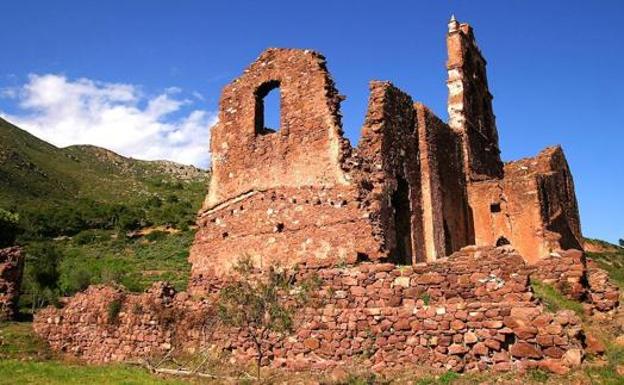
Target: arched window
[268,103]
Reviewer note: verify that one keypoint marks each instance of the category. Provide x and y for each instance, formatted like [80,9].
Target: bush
[156,235]
[114,308]
[9,228]
[75,280]
[262,304]
[41,276]
[90,236]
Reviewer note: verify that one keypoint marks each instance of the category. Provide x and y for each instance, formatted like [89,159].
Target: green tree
[621,241]
[262,303]
[9,228]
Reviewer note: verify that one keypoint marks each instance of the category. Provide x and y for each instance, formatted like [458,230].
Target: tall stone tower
[470,104]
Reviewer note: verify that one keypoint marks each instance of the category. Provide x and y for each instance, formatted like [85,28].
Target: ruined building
[413,190]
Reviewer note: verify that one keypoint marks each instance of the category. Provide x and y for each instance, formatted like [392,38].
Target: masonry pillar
[470,104]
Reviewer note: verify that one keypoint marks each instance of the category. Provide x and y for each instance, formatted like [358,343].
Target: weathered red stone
[11,270]
[522,349]
[415,191]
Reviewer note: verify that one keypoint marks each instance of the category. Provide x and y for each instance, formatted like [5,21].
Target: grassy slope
[136,263]
[34,172]
[36,176]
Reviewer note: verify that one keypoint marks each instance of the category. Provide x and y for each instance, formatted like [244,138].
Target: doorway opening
[402,253]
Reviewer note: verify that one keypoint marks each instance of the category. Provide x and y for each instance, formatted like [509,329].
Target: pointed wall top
[453,24]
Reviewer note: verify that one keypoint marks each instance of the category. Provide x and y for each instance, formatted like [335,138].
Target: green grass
[136,263]
[554,300]
[17,341]
[13,372]
[446,378]
[607,374]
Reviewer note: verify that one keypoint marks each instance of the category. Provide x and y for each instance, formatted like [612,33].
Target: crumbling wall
[11,270]
[389,150]
[286,226]
[307,148]
[470,104]
[472,311]
[446,214]
[533,207]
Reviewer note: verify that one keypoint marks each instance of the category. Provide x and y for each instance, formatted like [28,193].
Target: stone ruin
[415,189]
[11,270]
[424,241]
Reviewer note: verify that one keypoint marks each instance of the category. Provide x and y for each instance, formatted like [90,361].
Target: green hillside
[33,171]
[91,187]
[87,215]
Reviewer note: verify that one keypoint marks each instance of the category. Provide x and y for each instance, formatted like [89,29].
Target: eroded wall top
[470,104]
[307,148]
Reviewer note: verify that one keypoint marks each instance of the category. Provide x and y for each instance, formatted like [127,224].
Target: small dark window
[495,208]
[268,105]
[502,241]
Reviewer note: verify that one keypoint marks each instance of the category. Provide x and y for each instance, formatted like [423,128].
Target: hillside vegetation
[87,215]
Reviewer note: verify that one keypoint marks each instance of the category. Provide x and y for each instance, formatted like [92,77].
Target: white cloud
[114,116]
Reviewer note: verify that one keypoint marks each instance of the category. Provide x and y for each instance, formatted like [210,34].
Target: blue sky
[144,77]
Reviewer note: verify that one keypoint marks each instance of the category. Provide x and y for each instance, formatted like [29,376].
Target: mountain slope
[63,191]
[32,170]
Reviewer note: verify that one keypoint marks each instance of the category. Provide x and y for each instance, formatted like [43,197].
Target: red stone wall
[470,104]
[472,311]
[414,189]
[11,270]
[533,206]
[446,213]
[286,226]
[308,146]
[389,152]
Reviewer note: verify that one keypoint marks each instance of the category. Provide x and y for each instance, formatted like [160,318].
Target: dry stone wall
[11,270]
[472,311]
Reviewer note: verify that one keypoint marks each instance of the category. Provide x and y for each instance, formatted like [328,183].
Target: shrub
[75,280]
[538,375]
[156,235]
[114,308]
[90,236]
[261,303]
[41,275]
[9,228]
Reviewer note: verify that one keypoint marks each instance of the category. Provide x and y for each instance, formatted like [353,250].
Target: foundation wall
[474,310]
